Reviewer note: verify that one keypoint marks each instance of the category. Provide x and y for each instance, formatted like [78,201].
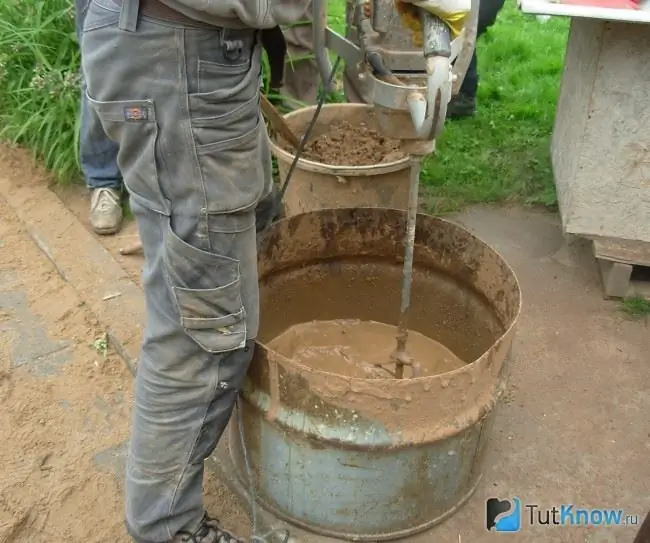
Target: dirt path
[76,199]
[573,428]
[65,408]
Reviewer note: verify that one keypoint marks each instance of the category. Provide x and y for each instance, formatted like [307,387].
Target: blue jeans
[97,152]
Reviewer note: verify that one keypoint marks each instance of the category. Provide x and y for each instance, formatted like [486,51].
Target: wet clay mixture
[362,349]
[345,144]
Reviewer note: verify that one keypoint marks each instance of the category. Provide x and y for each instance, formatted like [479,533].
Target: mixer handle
[429,112]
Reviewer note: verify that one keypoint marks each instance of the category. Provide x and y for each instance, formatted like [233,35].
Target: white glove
[453,12]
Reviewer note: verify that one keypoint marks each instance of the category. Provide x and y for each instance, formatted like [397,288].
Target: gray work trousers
[183,104]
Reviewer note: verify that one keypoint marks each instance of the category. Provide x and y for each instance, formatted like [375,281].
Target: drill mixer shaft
[437,45]
[400,357]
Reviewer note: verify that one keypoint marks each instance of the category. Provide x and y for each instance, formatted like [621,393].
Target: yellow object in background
[410,16]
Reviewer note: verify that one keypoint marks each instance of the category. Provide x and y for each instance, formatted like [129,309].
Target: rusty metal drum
[374,459]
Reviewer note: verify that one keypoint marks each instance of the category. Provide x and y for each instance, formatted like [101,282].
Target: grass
[503,153]
[39,81]
[636,307]
[499,156]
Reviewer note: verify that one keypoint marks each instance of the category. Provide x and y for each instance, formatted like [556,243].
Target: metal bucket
[315,185]
[360,459]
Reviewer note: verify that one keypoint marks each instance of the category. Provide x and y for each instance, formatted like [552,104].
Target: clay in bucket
[341,143]
[359,348]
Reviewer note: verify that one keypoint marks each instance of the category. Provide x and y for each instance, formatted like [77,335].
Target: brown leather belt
[157,10]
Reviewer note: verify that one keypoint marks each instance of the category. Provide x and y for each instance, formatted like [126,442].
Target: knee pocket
[207,290]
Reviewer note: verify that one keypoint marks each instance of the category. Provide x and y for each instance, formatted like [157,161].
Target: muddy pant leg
[301,76]
[98,154]
[184,396]
[185,111]
[487,16]
[268,207]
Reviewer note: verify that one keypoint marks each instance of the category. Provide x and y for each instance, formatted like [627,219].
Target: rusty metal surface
[376,459]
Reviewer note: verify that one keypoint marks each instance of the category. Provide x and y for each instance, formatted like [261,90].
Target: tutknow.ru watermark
[508,515]
[570,515]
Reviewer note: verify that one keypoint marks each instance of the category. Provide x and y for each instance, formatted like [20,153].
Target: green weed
[101,345]
[636,306]
[39,81]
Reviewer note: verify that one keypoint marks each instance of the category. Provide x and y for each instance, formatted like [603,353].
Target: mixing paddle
[400,357]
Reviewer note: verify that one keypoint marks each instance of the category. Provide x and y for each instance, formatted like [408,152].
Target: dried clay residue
[346,144]
[361,349]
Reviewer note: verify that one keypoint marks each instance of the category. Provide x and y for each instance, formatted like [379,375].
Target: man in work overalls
[176,85]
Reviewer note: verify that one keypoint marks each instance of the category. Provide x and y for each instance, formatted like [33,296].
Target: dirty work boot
[208,532]
[461,106]
[105,211]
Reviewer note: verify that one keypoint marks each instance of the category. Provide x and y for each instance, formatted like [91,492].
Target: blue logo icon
[503,515]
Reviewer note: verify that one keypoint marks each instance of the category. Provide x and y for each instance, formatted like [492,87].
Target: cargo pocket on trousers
[132,124]
[207,291]
[226,125]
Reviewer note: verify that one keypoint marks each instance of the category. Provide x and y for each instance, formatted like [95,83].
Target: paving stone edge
[113,298]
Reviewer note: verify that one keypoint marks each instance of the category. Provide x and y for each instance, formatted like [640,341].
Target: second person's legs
[464,104]
[98,156]
[301,76]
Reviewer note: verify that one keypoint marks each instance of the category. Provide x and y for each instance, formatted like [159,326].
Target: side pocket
[207,290]
[132,124]
[227,130]
[93,15]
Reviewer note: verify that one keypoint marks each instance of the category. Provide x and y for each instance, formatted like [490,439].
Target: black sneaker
[208,532]
[461,106]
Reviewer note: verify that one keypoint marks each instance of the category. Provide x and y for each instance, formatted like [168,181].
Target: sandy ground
[77,200]
[574,428]
[63,403]
[65,408]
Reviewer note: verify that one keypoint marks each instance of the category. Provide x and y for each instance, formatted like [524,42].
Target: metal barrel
[375,459]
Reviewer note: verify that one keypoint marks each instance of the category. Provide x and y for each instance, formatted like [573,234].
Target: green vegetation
[39,81]
[501,155]
[636,307]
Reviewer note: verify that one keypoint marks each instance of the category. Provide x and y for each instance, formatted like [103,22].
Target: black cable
[310,127]
[303,141]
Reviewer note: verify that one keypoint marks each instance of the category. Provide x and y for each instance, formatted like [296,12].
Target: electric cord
[310,127]
[282,534]
[277,205]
